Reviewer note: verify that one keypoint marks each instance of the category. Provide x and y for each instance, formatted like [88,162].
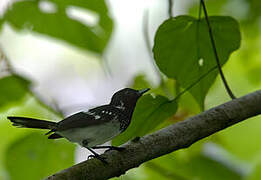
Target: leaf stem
[199,11]
[170,8]
[202,2]
[193,84]
[145,29]
[145,23]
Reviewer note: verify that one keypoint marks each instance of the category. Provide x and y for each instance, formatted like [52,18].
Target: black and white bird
[93,127]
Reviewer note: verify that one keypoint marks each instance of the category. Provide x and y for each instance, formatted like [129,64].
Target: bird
[92,127]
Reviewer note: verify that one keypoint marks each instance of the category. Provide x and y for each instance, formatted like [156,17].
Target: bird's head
[127,98]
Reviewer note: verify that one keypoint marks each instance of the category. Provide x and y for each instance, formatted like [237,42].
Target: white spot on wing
[121,106]
[93,114]
[88,112]
[97,117]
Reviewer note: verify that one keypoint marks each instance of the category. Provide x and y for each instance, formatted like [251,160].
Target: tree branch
[174,137]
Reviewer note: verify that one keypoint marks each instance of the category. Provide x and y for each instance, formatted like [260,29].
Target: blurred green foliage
[26,154]
[13,88]
[33,152]
[55,21]
[190,165]
[56,154]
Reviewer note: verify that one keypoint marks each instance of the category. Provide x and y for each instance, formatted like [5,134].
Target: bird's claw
[91,156]
[136,139]
[116,149]
[102,159]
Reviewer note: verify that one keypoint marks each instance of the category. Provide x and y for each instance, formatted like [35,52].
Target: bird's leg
[136,139]
[97,156]
[94,154]
[109,148]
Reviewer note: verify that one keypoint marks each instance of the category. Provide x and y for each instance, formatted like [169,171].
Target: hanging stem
[170,8]
[215,52]
[149,49]
[145,29]
[199,11]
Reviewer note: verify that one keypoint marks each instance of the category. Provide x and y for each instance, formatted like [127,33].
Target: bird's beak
[143,91]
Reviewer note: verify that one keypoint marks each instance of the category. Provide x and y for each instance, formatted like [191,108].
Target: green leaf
[182,50]
[190,164]
[35,157]
[166,88]
[148,114]
[8,134]
[13,88]
[30,16]
[140,82]
[1,24]
[256,173]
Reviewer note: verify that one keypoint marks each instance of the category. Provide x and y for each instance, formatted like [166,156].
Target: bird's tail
[32,123]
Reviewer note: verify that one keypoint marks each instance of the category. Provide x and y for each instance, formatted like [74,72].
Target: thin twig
[199,11]
[170,6]
[40,100]
[6,60]
[145,29]
[106,67]
[215,52]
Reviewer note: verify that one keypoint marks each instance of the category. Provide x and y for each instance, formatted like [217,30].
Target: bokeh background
[66,78]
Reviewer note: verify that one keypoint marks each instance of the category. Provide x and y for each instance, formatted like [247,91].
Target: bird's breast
[95,135]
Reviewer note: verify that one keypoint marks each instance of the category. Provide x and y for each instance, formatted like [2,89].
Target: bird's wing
[93,117]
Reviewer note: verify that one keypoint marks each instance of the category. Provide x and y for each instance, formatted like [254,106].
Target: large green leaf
[29,15]
[13,88]
[183,50]
[149,113]
[197,167]
[35,157]
[256,173]
[189,164]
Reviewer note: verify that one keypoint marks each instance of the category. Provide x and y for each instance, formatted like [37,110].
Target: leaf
[148,114]
[140,82]
[13,88]
[30,16]
[166,88]
[256,172]
[189,164]
[182,50]
[8,134]
[1,24]
[35,157]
